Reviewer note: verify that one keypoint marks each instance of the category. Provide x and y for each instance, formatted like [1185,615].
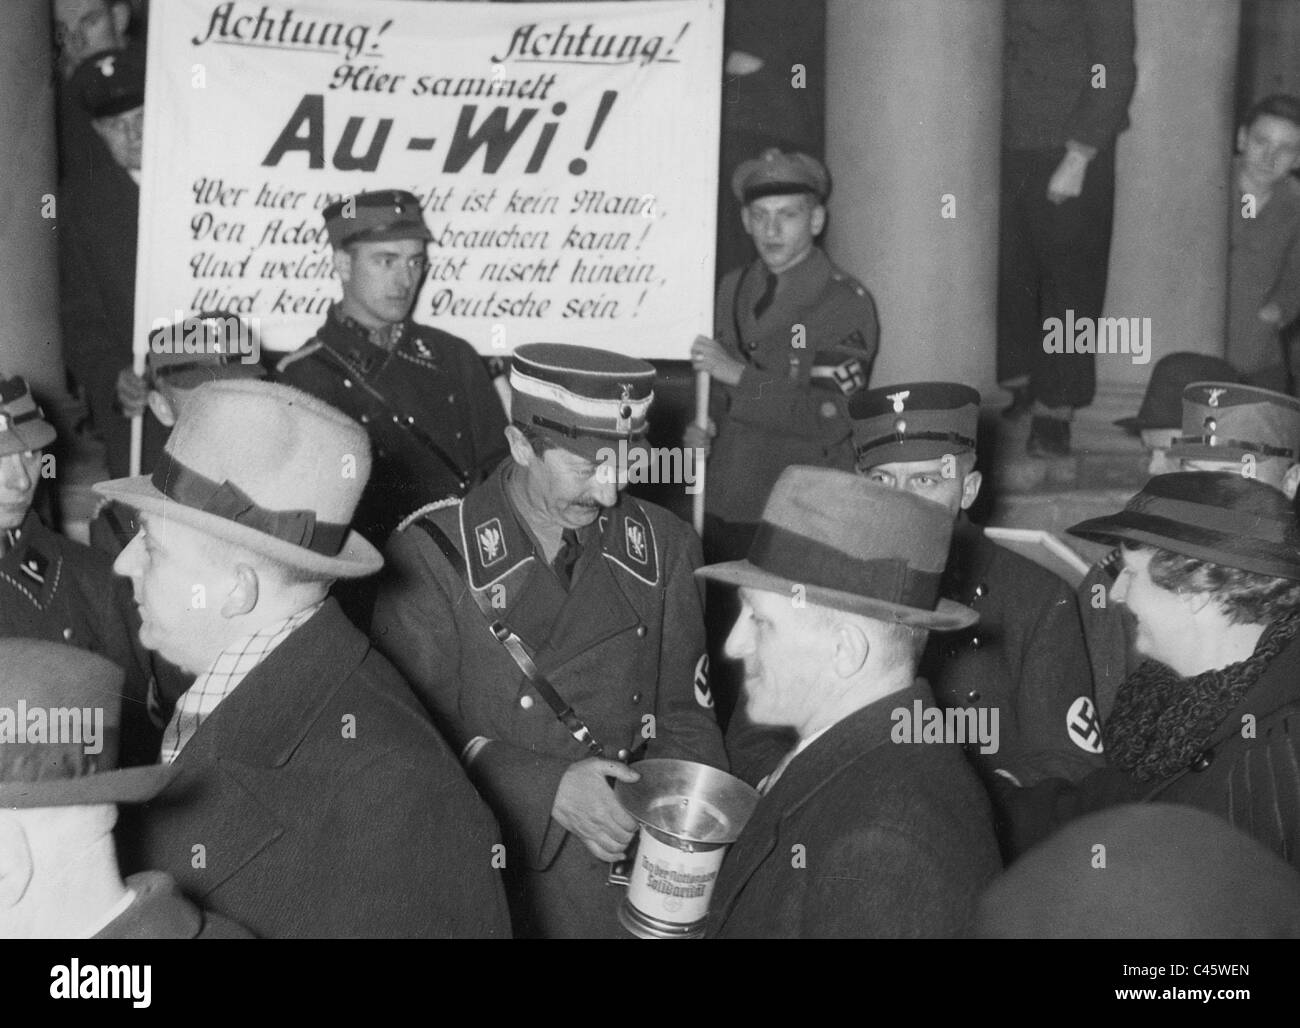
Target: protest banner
[565,156]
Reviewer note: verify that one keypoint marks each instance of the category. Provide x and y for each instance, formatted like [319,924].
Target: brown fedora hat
[267,467]
[1217,516]
[60,712]
[851,545]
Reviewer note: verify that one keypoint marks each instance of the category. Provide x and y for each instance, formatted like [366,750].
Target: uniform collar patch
[635,542]
[491,541]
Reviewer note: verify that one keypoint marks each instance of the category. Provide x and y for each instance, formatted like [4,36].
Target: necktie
[8,540]
[567,556]
[769,294]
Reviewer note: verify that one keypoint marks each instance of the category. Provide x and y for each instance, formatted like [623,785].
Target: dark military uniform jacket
[435,422]
[861,836]
[55,589]
[624,646]
[1107,631]
[1025,658]
[810,351]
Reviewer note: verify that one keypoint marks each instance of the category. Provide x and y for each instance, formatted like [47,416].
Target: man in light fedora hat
[874,824]
[552,626]
[59,874]
[311,795]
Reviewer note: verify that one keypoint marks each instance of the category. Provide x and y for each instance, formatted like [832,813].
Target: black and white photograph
[481,470]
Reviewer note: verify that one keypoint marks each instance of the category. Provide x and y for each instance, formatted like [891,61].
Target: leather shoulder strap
[513,645]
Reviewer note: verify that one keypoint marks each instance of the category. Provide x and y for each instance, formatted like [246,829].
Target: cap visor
[947,617]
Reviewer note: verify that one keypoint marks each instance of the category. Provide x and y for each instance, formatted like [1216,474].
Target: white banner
[565,156]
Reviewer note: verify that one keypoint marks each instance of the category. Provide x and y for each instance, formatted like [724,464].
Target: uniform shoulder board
[306,350]
[843,277]
[428,508]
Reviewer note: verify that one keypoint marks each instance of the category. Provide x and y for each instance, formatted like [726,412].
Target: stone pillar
[1169,252]
[29,279]
[913,121]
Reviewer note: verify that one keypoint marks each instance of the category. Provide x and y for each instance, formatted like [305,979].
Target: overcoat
[624,647]
[861,836]
[318,801]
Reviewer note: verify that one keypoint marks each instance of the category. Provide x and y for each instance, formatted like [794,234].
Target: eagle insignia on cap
[634,537]
[898,398]
[623,423]
[1213,396]
[491,542]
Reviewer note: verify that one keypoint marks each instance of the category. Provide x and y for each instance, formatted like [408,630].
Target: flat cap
[109,82]
[203,348]
[1224,421]
[378,217]
[913,421]
[774,173]
[22,423]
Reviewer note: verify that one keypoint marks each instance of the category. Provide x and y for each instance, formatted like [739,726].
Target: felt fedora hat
[1162,404]
[1217,516]
[267,467]
[851,545]
[60,715]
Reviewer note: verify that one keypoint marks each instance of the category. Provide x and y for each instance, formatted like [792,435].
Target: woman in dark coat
[1211,718]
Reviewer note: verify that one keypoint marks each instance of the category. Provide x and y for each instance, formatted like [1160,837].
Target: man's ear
[851,647]
[970,488]
[818,220]
[1290,481]
[15,861]
[520,448]
[1241,139]
[242,597]
[745,220]
[162,408]
[343,265]
[120,12]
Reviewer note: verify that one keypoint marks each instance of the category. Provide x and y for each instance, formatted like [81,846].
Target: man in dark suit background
[873,825]
[311,796]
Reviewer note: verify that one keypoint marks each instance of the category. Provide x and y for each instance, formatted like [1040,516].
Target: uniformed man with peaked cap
[1226,426]
[794,338]
[423,394]
[1026,658]
[552,626]
[55,589]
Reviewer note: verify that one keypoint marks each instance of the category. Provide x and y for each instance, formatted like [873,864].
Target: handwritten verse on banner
[565,156]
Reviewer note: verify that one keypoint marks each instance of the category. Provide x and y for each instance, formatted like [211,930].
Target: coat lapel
[851,740]
[229,777]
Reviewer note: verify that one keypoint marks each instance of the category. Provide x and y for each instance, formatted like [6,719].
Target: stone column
[913,116]
[1169,253]
[29,279]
